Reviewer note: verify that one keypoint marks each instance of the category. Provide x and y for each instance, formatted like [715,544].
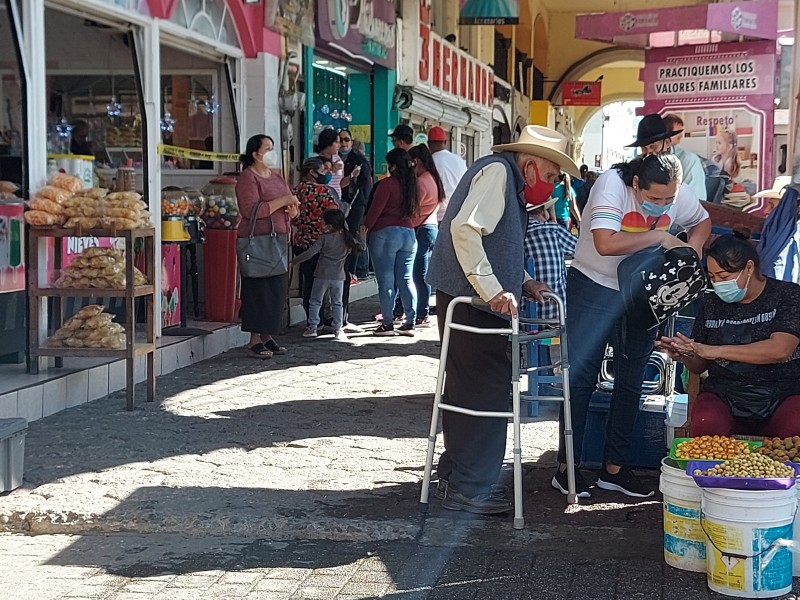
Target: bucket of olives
[753,471]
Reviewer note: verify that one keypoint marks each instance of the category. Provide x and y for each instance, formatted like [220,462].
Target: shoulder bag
[263,255]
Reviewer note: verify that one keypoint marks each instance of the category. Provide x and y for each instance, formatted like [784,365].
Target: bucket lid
[9,427]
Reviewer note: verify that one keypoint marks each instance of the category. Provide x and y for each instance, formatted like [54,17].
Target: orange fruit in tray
[709,447]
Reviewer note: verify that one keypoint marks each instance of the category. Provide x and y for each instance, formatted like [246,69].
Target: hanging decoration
[113,108]
[63,128]
[211,105]
[167,123]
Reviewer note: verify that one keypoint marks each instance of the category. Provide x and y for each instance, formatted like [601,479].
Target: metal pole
[794,119]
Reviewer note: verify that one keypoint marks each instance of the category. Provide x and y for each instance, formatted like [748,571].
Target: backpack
[657,283]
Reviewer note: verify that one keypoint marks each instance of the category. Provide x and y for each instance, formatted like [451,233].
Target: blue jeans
[426,238]
[393,250]
[318,290]
[595,315]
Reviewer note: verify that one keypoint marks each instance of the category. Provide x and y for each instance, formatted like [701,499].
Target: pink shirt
[250,188]
[429,200]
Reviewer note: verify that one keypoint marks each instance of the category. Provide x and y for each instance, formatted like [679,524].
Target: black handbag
[263,255]
[749,401]
[657,283]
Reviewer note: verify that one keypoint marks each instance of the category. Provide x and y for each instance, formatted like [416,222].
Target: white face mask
[270,159]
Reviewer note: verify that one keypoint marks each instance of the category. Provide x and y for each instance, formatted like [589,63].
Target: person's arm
[567,241]
[248,194]
[378,204]
[479,215]
[622,243]
[304,256]
[777,349]
[698,236]
[691,215]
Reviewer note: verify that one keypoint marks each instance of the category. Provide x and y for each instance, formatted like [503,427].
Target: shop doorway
[607,132]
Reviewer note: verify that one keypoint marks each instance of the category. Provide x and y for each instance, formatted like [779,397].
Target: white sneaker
[351,328]
[310,332]
[340,336]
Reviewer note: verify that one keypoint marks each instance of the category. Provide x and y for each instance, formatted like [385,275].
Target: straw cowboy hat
[651,129]
[545,205]
[545,143]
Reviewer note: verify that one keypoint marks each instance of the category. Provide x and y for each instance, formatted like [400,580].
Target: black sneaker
[559,482]
[482,504]
[624,481]
[407,330]
[384,330]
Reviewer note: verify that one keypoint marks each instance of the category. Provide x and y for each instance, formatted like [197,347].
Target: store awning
[665,27]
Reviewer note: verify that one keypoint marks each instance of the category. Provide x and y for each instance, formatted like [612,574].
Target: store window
[190,110]
[467,148]
[209,18]
[785,59]
[139,6]
[11,101]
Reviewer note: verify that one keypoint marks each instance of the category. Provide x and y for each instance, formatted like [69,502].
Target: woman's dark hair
[732,251]
[404,172]
[253,145]
[335,219]
[421,154]
[650,168]
[326,138]
[311,164]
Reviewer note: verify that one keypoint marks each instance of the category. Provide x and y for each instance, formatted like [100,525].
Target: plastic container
[220,276]
[684,540]
[741,527]
[739,483]
[222,209]
[677,410]
[197,202]
[174,202]
[12,452]
[647,448]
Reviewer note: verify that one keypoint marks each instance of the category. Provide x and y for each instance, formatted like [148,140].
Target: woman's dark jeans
[595,316]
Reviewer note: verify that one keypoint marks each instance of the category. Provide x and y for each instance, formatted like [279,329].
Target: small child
[333,247]
[547,244]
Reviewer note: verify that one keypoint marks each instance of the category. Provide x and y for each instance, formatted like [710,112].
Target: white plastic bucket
[676,409]
[684,540]
[741,526]
[796,561]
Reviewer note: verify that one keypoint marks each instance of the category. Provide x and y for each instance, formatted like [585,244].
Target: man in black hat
[653,136]
[403,137]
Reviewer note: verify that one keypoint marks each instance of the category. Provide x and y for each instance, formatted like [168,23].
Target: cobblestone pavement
[298,478]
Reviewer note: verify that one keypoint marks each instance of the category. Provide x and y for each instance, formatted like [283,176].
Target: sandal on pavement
[273,346]
[260,351]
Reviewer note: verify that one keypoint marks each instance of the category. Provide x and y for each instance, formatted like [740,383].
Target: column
[385,115]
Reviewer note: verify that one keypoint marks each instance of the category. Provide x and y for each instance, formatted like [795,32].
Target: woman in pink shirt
[263,298]
[390,221]
[431,190]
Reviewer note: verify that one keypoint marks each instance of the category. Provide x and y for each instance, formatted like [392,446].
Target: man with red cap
[451,166]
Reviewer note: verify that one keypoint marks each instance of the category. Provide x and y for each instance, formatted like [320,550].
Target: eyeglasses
[344,139]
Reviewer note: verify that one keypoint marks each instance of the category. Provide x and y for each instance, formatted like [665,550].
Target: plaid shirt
[546,245]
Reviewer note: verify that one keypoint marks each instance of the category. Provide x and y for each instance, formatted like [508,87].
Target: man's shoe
[310,332]
[384,331]
[482,504]
[559,482]
[423,322]
[624,481]
[498,491]
[406,330]
[340,336]
[351,328]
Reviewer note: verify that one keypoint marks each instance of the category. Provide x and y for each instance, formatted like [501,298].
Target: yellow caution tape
[192,154]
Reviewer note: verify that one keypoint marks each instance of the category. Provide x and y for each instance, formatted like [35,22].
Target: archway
[596,64]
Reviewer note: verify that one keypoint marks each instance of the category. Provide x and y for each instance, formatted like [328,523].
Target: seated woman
[746,336]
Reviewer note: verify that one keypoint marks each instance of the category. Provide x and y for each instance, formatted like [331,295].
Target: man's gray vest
[504,247]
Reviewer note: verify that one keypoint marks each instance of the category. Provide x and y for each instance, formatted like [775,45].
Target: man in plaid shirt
[546,246]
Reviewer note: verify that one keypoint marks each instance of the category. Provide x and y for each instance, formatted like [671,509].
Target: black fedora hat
[651,129]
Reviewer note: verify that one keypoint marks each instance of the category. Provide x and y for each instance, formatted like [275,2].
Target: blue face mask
[324,179]
[729,291]
[655,210]
[345,152]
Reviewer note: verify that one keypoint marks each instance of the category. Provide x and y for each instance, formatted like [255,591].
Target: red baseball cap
[437,134]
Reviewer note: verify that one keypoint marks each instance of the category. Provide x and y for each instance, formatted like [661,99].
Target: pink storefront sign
[663,26]
[725,95]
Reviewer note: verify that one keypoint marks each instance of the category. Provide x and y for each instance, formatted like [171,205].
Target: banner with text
[725,94]
[581,93]
[488,12]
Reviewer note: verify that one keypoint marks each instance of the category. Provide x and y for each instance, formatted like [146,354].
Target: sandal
[260,351]
[273,346]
